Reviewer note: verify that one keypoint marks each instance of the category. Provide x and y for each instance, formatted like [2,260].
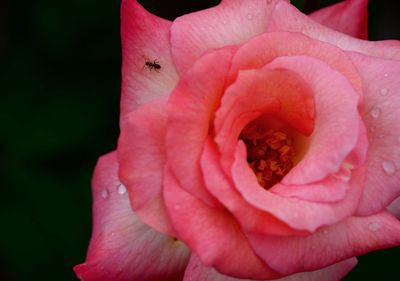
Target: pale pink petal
[287,18]
[145,37]
[299,214]
[232,22]
[211,233]
[352,237]
[250,218]
[191,109]
[122,247]
[349,16]
[382,108]
[141,153]
[196,271]
[394,207]
[336,119]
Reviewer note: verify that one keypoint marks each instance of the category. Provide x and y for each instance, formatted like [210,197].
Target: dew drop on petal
[374,226]
[104,194]
[375,113]
[384,92]
[121,189]
[388,167]
[386,75]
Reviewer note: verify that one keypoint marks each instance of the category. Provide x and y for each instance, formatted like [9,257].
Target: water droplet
[104,194]
[384,92]
[388,167]
[375,112]
[249,16]
[386,75]
[374,226]
[121,189]
[344,177]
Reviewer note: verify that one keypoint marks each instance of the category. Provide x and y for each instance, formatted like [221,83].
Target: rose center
[270,153]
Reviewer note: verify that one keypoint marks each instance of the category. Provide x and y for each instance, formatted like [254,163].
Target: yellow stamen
[269,154]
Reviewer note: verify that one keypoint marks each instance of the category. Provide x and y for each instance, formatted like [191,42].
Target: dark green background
[59,84]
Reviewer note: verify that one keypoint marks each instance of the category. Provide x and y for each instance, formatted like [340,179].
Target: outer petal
[382,106]
[196,271]
[122,247]
[144,37]
[231,22]
[191,109]
[352,237]
[141,153]
[212,234]
[287,18]
[350,17]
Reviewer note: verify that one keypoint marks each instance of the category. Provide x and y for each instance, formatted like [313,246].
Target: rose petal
[196,271]
[231,22]
[250,218]
[211,233]
[351,237]
[191,108]
[262,49]
[287,18]
[382,107]
[336,122]
[141,153]
[277,92]
[122,247]
[350,17]
[145,37]
[334,187]
[299,214]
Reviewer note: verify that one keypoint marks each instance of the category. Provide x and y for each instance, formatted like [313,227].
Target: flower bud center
[270,153]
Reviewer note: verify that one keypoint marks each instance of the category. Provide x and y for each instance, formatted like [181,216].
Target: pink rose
[256,143]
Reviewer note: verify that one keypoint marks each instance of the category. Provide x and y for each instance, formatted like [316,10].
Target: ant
[153,65]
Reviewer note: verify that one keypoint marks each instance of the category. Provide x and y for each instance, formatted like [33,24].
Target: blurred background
[60,83]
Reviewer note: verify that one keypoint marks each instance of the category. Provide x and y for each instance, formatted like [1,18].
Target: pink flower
[256,143]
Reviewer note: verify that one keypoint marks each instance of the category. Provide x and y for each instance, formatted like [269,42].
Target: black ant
[153,65]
